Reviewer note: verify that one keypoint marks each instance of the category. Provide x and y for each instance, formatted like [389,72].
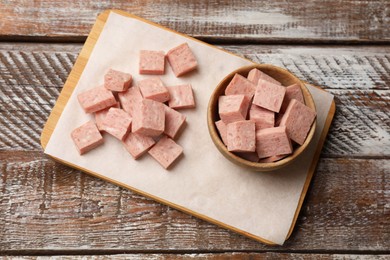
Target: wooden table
[47,209]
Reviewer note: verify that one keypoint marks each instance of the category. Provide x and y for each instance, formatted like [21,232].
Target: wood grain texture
[257,21]
[48,209]
[31,77]
[47,206]
[217,256]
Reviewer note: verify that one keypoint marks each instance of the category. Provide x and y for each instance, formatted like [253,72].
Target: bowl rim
[214,134]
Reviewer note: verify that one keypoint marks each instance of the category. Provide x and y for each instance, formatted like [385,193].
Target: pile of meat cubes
[261,120]
[143,116]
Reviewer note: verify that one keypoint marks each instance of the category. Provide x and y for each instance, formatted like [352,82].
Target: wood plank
[31,77]
[257,21]
[205,256]
[45,205]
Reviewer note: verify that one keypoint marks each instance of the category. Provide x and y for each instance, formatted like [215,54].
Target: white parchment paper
[262,204]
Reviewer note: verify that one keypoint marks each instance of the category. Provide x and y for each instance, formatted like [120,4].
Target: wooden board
[260,21]
[72,82]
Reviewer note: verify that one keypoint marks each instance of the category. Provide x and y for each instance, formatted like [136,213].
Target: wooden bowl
[284,77]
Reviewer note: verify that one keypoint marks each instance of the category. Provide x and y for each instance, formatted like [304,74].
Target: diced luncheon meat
[115,80]
[272,141]
[273,158]
[269,95]
[276,124]
[233,108]
[255,75]
[130,100]
[86,137]
[249,156]
[263,118]
[181,59]
[140,114]
[152,62]
[149,118]
[100,115]
[174,122]
[298,120]
[241,136]
[292,92]
[240,85]
[222,129]
[96,99]
[137,144]
[154,89]
[166,151]
[117,123]
[181,96]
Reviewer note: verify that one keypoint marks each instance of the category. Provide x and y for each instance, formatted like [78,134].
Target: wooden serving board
[71,83]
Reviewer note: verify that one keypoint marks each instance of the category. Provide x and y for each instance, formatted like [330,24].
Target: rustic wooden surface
[244,256]
[47,209]
[258,21]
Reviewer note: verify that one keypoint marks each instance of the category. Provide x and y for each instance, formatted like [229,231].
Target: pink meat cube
[149,119]
[249,156]
[233,108]
[153,88]
[292,92]
[272,141]
[269,95]
[240,85]
[255,75]
[86,137]
[152,62]
[181,97]
[166,151]
[222,128]
[174,122]
[117,81]
[263,118]
[181,59]
[130,99]
[241,136]
[273,158]
[117,123]
[137,144]
[298,120]
[96,99]
[101,114]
